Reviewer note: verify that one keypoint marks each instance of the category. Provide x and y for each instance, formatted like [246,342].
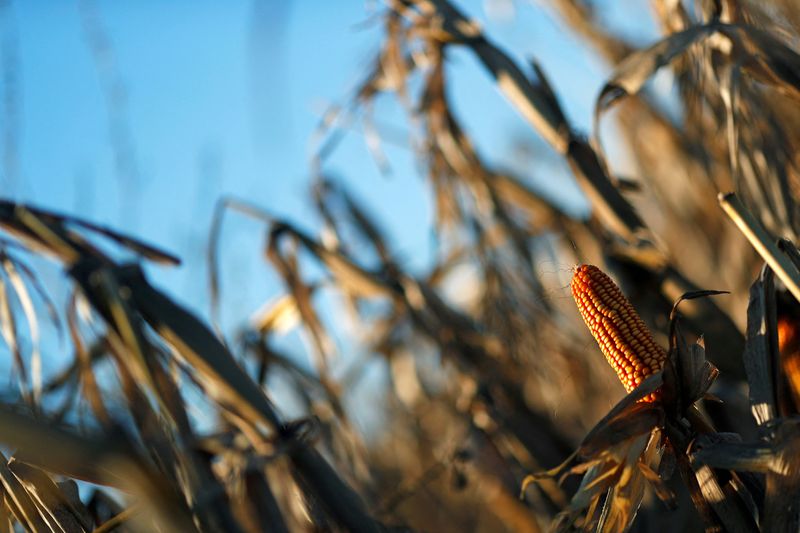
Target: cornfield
[497,410]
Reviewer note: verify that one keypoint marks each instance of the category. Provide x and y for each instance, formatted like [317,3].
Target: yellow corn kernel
[621,334]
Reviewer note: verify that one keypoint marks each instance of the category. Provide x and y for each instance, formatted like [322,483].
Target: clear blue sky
[140,115]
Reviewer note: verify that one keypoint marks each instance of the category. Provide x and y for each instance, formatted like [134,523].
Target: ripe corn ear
[789,349]
[623,337]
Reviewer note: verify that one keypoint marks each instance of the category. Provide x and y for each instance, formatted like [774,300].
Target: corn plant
[490,382]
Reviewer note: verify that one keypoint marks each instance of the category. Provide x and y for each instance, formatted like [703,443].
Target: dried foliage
[166,426]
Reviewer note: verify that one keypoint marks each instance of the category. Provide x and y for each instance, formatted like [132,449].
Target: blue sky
[141,115]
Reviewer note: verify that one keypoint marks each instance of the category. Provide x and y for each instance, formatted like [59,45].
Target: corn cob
[616,326]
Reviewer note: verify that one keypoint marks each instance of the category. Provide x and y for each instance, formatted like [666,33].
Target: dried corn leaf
[766,58]
[20,503]
[762,242]
[277,316]
[760,355]
[101,460]
[227,382]
[630,75]
[21,220]
[534,101]
[50,500]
